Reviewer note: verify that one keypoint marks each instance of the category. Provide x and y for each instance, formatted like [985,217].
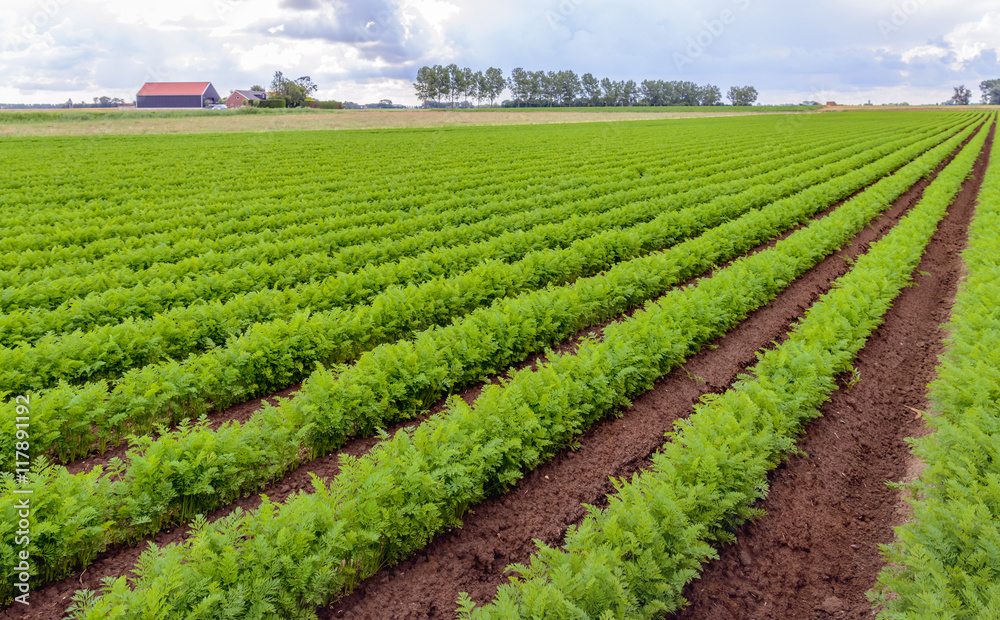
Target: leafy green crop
[284,560]
[633,558]
[946,561]
[272,355]
[195,470]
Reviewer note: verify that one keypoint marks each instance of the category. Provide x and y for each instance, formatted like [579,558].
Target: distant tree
[468,84]
[652,92]
[495,84]
[306,84]
[548,87]
[611,92]
[962,96]
[294,92]
[742,95]
[479,89]
[630,93]
[257,87]
[991,91]
[426,84]
[442,81]
[520,85]
[569,87]
[69,103]
[591,88]
[291,91]
[710,95]
[455,82]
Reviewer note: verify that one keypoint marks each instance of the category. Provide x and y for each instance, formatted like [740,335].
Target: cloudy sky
[365,50]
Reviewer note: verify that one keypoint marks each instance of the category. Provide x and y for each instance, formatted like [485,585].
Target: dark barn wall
[168,101]
[211,94]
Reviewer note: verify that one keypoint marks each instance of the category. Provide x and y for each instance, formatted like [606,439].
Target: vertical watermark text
[22,466]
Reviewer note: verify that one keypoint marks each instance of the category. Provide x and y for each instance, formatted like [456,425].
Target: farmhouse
[194,95]
[242,98]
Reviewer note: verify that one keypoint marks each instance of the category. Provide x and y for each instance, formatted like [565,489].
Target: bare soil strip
[501,530]
[343,119]
[609,449]
[815,554]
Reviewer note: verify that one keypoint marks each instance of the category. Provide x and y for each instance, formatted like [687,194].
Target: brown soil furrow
[816,553]
[501,530]
[241,412]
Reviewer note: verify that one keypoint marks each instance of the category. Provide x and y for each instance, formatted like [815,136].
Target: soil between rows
[501,531]
[50,601]
[816,553]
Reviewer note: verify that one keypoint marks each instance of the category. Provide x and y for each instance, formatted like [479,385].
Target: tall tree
[709,95]
[426,84]
[569,87]
[991,91]
[468,84]
[591,88]
[494,84]
[294,92]
[306,83]
[518,82]
[652,92]
[442,80]
[607,92]
[536,86]
[456,82]
[742,95]
[630,93]
[962,96]
[479,87]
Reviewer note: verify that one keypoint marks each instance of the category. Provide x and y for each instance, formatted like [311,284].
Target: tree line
[563,88]
[990,90]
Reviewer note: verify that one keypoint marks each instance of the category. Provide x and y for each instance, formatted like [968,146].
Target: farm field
[19,123]
[357,374]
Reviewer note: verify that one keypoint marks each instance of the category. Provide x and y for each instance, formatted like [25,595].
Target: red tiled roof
[173,88]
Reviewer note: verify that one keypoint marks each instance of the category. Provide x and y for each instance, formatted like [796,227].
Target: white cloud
[364,50]
[969,40]
[923,52]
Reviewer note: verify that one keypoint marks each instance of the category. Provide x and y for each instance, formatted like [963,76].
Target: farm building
[195,95]
[242,98]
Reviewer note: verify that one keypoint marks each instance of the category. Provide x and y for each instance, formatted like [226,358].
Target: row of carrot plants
[100,256]
[195,470]
[270,356]
[281,561]
[101,197]
[107,352]
[945,562]
[492,184]
[634,558]
[108,299]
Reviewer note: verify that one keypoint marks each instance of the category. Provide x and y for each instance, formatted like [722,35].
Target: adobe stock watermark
[563,12]
[714,29]
[42,14]
[901,14]
[379,23]
[224,7]
[22,467]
